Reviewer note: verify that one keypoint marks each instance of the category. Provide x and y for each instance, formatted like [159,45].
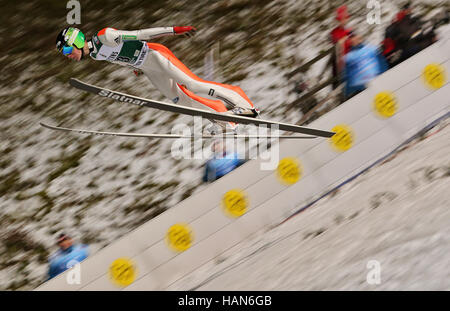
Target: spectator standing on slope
[340,38]
[362,64]
[67,255]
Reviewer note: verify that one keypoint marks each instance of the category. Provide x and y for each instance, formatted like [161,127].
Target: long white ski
[174,136]
[122,97]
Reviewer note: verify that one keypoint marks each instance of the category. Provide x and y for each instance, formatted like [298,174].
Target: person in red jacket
[340,38]
[339,35]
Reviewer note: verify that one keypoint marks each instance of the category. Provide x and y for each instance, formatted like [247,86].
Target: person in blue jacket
[221,163]
[66,256]
[362,64]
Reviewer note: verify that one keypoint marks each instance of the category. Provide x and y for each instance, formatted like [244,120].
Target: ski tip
[46,125]
[73,81]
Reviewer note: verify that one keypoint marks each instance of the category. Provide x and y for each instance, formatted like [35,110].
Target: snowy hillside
[99,188]
[397,213]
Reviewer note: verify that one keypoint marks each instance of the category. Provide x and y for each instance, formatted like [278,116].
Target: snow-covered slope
[99,188]
[397,213]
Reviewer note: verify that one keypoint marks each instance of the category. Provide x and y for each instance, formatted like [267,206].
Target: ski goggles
[72,37]
[67,50]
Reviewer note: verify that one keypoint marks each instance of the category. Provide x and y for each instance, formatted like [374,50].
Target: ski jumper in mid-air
[168,74]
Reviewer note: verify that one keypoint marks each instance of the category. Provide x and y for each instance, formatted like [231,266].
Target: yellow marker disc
[122,272]
[179,237]
[343,139]
[235,203]
[289,171]
[434,76]
[385,104]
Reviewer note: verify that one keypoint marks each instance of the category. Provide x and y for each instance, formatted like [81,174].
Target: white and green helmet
[68,38]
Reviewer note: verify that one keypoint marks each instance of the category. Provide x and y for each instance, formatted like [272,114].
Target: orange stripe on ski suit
[102,32]
[174,60]
[217,105]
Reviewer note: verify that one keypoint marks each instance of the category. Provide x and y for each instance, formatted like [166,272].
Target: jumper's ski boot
[215,128]
[224,128]
[244,112]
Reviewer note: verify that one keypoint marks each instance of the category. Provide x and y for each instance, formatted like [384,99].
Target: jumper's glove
[188,31]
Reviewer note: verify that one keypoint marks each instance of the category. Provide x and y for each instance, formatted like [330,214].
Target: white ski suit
[168,74]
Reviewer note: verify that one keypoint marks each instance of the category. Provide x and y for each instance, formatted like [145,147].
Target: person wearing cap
[339,37]
[362,64]
[67,255]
